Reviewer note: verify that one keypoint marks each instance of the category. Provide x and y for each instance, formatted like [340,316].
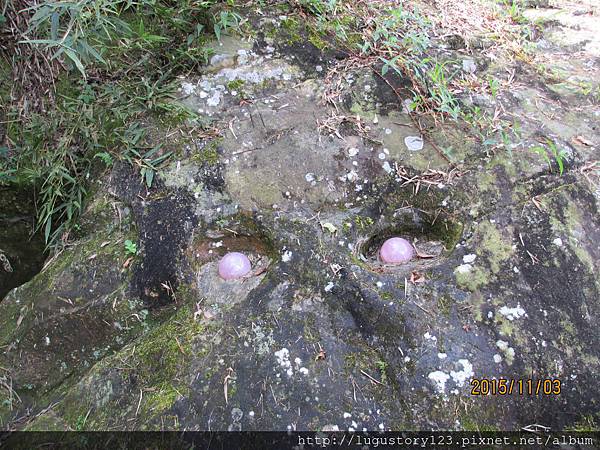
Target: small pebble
[414,143]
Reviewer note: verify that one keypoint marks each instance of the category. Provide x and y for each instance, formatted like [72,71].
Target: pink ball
[396,251]
[234,265]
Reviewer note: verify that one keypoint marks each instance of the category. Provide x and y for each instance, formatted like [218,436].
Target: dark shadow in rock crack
[165,226]
[22,252]
[165,219]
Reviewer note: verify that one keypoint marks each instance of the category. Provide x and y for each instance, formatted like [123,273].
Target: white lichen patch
[430,337]
[509,352]
[352,152]
[188,88]
[283,359]
[439,379]
[214,99]
[512,313]
[261,341]
[469,66]
[352,176]
[255,75]
[244,68]
[502,345]
[386,167]
[459,377]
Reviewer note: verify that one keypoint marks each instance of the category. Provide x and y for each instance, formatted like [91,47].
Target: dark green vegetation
[106,70]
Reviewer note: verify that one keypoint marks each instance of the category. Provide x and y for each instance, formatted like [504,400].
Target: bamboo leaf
[73,57]
[149,177]
[47,229]
[54,25]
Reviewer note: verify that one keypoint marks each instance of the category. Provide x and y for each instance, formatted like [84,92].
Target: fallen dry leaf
[260,271]
[416,277]
[582,141]
[127,262]
[421,254]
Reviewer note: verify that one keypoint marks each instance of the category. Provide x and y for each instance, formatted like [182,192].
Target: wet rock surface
[504,282]
[21,249]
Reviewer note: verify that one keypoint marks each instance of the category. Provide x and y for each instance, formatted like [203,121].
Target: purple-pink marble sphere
[396,251]
[234,265]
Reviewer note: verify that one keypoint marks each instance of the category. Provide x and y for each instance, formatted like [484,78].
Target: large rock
[320,334]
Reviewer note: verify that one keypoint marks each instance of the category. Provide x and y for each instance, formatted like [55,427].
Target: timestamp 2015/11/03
[521,386]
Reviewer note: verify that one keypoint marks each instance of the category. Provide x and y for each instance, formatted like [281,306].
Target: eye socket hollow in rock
[420,246]
[221,248]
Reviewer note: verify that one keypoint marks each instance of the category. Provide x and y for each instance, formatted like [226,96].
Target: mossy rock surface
[319,334]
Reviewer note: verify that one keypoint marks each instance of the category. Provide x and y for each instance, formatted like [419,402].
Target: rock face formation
[504,282]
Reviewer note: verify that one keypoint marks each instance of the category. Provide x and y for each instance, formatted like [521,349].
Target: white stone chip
[414,143]
[469,258]
[469,66]
[287,256]
[464,268]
